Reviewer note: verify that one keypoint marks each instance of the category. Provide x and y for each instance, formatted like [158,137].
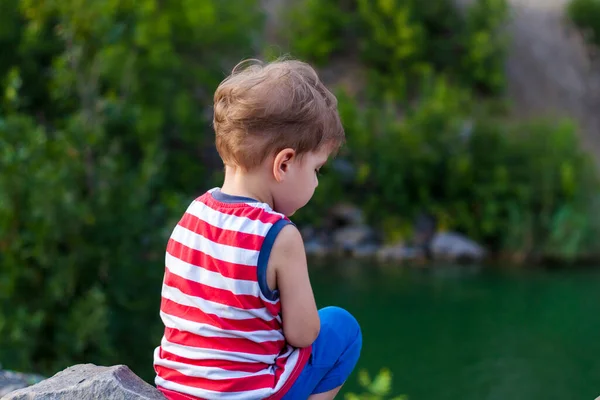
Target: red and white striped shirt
[223,334]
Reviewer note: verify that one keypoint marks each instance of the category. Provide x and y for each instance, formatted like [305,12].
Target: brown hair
[261,109]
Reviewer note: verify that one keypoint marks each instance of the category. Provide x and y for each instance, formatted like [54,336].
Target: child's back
[222,321]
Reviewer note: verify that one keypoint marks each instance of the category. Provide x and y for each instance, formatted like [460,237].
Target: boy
[240,317]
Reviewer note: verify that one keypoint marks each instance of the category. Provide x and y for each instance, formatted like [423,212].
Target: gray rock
[365,250]
[400,252]
[454,246]
[316,248]
[11,381]
[90,382]
[351,237]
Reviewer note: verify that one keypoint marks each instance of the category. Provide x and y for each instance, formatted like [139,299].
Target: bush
[515,186]
[484,47]
[315,29]
[54,306]
[102,124]
[400,42]
[586,15]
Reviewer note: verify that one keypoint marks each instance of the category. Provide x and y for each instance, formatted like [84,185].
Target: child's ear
[281,163]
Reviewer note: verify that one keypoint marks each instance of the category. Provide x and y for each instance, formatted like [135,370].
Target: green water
[452,333]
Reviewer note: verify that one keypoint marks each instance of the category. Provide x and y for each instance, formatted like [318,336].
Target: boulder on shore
[11,381]
[351,237]
[451,246]
[399,253]
[87,382]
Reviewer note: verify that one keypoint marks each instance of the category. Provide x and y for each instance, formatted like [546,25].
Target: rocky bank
[344,233]
[79,382]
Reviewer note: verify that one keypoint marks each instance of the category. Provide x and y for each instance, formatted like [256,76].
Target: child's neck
[252,184]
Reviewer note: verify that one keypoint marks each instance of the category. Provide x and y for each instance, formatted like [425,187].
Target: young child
[240,317]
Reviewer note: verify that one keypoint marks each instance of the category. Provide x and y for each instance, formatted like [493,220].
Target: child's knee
[341,319]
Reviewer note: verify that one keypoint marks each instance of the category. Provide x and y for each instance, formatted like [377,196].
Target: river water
[470,333]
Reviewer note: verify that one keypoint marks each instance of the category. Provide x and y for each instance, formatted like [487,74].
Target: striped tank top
[223,336]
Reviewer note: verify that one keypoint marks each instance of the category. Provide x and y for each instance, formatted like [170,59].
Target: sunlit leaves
[377,388]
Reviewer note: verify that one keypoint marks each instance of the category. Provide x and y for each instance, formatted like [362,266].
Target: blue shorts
[334,355]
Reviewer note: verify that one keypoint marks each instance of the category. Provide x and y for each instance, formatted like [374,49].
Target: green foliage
[403,41]
[40,213]
[484,46]
[586,15]
[378,388]
[101,126]
[514,186]
[316,29]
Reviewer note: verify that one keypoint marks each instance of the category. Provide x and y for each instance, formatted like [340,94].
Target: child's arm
[301,322]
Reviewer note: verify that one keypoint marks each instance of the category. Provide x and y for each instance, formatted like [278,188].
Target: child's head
[279,118]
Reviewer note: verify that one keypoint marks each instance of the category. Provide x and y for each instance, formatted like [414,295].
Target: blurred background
[459,224]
